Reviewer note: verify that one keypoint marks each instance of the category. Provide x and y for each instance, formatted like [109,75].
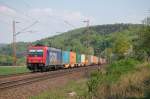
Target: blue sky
[55,16]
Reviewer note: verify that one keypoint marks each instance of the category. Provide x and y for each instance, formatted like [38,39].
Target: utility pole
[14,38]
[14,43]
[87,26]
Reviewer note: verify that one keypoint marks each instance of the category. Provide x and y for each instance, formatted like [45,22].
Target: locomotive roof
[51,48]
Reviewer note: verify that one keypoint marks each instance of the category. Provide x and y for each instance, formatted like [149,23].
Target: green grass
[132,85]
[113,73]
[123,79]
[117,69]
[79,87]
[6,70]
[121,67]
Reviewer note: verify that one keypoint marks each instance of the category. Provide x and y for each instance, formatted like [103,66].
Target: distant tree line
[114,41]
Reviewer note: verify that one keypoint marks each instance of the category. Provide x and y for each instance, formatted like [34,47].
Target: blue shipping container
[65,57]
[54,56]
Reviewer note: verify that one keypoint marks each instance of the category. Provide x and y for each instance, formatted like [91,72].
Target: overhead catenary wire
[69,24]
[62,20]
[14,38]
[8,23]
[24,16]
[13,26]
[57,19]
[26,28]
[29,6]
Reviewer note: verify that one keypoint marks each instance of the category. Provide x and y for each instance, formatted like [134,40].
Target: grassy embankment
[7,70]
[124,79]
[72,90]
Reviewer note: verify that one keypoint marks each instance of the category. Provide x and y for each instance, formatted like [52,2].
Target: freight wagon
[78,59]
[95,60]
[65,59]
[90,59]
[72,59]
[42,58]
[82,60]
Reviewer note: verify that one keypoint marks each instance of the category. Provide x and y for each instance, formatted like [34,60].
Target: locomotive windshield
[33,53]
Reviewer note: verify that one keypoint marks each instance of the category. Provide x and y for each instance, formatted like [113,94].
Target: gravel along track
[12,83]
[13,75]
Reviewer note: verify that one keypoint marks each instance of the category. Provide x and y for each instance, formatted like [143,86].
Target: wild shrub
[113,74]
[93,82]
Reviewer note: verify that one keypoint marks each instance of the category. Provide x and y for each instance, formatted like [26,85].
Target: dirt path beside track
[24,92]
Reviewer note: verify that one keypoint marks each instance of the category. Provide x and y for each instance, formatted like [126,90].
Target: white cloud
[50,22]
[72,16]
[40,12]
[7,11]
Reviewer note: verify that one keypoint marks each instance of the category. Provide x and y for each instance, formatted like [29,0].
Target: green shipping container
[78,58]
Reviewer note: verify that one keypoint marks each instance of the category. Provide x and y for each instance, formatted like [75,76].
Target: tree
[143,41]
[121,45]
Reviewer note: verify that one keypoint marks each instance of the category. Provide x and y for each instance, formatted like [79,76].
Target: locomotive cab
[35,58]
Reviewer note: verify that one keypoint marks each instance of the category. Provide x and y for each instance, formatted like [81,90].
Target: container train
[44,58]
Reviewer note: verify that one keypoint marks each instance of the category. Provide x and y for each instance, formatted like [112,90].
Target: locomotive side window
[38,53]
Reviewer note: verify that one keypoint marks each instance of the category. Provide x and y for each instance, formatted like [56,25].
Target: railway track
[12,75]
[39,77]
